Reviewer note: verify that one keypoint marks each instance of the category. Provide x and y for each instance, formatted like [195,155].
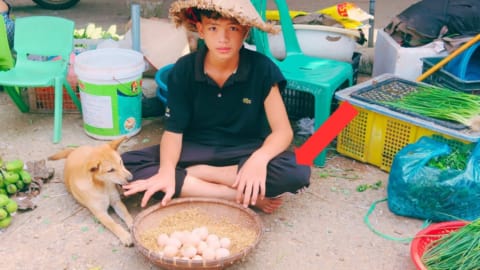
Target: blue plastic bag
[420,191]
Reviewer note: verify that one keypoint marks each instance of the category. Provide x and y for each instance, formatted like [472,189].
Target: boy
[227,129]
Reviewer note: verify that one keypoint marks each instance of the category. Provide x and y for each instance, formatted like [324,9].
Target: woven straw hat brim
[242,10]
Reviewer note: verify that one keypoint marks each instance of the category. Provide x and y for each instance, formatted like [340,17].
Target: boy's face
[223,37]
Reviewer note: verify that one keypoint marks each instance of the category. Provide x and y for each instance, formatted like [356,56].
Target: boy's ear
[199,26]
[247,32]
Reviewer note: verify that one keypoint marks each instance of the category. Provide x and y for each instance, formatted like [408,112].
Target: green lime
[14,165]
[11,177]
[11,206]
[11,189]
[20,185]
[25,176]
[2,182]
[3,191]
[3,200]
[3,213]
[5,222]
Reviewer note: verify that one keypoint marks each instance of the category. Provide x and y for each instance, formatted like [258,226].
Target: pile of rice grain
[189,219]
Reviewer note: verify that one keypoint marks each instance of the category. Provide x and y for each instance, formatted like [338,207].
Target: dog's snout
[129,177]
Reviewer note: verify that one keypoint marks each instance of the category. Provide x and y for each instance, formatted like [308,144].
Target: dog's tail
[62,154]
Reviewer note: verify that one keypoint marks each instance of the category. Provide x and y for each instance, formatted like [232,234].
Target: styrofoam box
[390,57]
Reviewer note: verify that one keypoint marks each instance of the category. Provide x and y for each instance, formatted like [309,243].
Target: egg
[184,236]
[221,253]
[194,239]
[170,251]
[190,238]
[173,242]
[225,242]
[202,245]
[213,241]
[188,251]
[162,240]
[202,232]
[197,258]
[208,254]
[177,235]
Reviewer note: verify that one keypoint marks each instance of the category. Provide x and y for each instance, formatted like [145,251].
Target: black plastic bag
[427,20]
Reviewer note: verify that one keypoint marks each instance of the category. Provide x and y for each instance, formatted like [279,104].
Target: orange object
[41,99]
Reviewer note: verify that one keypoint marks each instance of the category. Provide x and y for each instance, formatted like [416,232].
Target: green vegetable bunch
[459,250]
[442,103]
[456,160]
[8,207]
[13,177]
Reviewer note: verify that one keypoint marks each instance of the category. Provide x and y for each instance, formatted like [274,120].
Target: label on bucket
[111,111]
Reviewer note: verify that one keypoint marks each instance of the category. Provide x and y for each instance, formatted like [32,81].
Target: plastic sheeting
[420,191]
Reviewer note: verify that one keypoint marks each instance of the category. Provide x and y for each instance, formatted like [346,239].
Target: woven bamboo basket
[216,209]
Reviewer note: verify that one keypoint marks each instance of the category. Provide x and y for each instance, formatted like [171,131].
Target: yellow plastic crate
[375,138]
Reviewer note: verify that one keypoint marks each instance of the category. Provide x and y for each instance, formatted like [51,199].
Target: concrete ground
[323,228]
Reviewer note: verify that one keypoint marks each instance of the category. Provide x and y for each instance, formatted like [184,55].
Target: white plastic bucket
[110,82]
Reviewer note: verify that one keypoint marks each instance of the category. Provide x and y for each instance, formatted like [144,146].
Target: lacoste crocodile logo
[247,101]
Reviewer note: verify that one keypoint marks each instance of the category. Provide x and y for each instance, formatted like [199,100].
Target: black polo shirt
[221,116]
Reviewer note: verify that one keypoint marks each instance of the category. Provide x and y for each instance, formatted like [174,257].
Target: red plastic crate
[41,100]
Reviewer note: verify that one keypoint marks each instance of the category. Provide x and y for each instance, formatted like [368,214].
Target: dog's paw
[127,240]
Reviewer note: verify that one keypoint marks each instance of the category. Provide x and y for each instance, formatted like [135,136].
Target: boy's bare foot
[268,205]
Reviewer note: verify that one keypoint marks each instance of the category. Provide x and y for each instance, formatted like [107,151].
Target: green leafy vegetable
[364,187]
[456,160]
[442,103]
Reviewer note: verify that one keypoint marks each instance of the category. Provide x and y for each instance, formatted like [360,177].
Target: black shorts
[283,172]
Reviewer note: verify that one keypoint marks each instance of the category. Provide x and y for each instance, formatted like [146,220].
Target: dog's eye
[111,170]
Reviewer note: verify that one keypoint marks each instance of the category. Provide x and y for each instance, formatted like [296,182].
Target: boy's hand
[250,181]
[152,185]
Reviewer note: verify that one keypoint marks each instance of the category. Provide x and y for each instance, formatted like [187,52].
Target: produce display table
[377,133]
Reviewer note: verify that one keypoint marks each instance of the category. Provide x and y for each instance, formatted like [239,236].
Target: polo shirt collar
[242,71]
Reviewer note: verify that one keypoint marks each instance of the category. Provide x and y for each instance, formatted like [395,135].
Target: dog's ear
[93,166]
[115,143]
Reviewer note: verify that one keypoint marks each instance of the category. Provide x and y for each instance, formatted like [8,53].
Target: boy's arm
[170,148]
[282,133]
[251,179]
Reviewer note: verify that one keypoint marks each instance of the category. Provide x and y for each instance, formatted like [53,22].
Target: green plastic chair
[6,59]
[316,76]
[43,45]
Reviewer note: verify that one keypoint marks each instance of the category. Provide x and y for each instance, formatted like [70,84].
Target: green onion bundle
[459,250]
[442,103]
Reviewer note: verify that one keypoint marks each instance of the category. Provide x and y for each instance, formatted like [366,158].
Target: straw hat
[241,10]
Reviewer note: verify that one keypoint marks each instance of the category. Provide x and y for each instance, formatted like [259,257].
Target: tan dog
[92,174]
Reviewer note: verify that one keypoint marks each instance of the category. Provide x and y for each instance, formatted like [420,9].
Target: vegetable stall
[424,136]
